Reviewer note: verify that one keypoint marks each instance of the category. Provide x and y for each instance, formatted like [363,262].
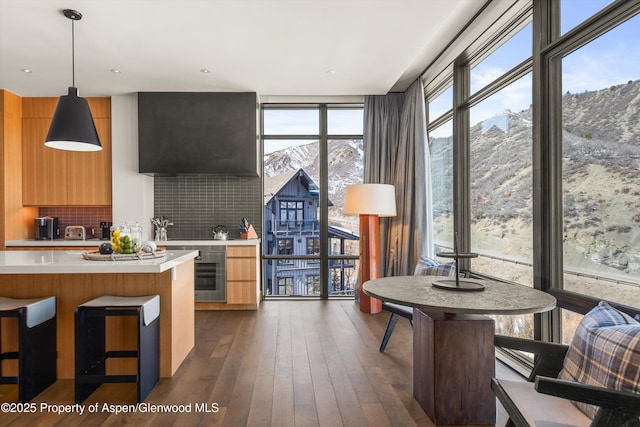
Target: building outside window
[285,246]
[313,246]
[313,285]
[285,285]
[291,211]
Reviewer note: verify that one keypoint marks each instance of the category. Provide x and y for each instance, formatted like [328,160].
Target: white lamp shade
[370,199]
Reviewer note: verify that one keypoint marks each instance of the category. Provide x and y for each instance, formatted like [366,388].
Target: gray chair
[425,267]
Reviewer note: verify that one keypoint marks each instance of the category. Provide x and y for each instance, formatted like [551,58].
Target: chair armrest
[614,400]
[531,346]
[549,356]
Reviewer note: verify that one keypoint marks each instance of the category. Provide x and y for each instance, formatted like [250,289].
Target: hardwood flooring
[291,363]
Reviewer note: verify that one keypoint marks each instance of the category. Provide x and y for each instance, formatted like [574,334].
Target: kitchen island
[74,281]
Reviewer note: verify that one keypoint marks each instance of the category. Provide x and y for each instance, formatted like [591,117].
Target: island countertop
[72,262]
[73,280]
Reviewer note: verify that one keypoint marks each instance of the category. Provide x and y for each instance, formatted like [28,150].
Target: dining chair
[426,267]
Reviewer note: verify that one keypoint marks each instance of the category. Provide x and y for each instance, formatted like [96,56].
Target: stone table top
[496,298]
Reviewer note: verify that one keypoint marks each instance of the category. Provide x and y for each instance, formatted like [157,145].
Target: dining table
[453,339]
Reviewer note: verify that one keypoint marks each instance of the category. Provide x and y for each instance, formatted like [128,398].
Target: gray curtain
[396,151]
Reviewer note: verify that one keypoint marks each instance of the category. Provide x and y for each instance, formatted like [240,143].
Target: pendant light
[72,126]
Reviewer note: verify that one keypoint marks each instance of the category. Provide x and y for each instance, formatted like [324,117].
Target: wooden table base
[453,363]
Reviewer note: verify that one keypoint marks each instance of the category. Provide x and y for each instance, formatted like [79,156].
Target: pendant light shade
[72,127]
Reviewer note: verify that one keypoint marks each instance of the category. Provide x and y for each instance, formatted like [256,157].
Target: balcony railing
[293,226]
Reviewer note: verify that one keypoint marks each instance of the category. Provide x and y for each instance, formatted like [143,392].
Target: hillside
[601,180]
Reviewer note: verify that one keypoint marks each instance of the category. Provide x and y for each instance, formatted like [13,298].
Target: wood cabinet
[243,283]
[16,221]
[53,177]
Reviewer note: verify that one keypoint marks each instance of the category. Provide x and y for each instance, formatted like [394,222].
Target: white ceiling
[272,47]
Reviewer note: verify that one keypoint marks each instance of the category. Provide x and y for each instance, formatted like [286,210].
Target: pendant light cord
[73,54]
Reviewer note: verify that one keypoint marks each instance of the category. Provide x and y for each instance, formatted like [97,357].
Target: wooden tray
[97,256]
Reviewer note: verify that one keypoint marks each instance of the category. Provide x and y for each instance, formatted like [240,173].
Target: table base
[453,363]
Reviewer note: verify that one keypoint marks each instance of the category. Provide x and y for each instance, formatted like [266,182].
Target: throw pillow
[429,267]
[605,352]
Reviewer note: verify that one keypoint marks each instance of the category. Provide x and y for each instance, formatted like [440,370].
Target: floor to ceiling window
[440,133]
[311,153]
[601,163]
[588,90]
[497,104]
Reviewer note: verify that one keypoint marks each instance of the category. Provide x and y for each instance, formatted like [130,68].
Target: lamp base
[369,260]
[369,305]
[458,285]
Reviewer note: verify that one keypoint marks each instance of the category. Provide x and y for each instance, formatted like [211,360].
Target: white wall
[132,196]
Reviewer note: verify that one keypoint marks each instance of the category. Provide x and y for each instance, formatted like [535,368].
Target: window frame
[323,138]
[549,47]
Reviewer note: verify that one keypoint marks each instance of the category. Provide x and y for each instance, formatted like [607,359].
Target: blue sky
[612,59]
[306,122]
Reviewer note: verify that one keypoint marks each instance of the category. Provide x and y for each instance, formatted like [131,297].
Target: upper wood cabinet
[53,177]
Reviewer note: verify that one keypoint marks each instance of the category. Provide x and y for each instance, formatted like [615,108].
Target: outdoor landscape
[601,193]
[346,160]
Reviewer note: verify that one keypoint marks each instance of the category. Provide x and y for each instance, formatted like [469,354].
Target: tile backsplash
[197,203]
[90,217]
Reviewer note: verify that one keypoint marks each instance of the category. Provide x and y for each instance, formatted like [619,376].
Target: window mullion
[324,205]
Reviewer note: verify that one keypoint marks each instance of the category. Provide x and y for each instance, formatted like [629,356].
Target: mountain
[345,158]
[601,180]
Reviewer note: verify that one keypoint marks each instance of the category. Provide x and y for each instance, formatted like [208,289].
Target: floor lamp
[370,201]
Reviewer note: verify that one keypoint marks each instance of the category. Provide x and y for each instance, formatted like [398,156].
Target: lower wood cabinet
[243,283]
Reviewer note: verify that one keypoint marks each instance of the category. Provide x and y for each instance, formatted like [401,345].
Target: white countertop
[97,242]
[71,261]
[56,242]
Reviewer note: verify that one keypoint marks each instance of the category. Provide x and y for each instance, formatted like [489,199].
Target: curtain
[396,151]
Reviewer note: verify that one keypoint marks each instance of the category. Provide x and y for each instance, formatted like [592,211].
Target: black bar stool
[36,353]
[90,352]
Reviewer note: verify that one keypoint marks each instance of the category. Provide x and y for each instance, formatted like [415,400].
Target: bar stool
[90,352]
[36,353]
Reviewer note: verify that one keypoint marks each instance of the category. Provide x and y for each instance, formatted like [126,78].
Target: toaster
[75,232]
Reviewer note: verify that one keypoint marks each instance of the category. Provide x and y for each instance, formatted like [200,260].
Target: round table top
[496,298]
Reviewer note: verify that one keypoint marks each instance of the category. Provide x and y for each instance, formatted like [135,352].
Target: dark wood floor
[292,363]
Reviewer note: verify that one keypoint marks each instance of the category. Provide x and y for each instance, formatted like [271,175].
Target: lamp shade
[370,199]
[72,126]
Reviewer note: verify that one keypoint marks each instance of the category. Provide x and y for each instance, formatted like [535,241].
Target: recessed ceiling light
[26,70]
[115,71]
[204,71]
[331,72]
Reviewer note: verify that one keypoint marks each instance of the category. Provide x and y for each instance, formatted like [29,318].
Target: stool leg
[37,358]
[148,356]
[1,359]
[89,351]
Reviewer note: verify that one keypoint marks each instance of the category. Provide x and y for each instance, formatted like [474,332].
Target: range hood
[198,133]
